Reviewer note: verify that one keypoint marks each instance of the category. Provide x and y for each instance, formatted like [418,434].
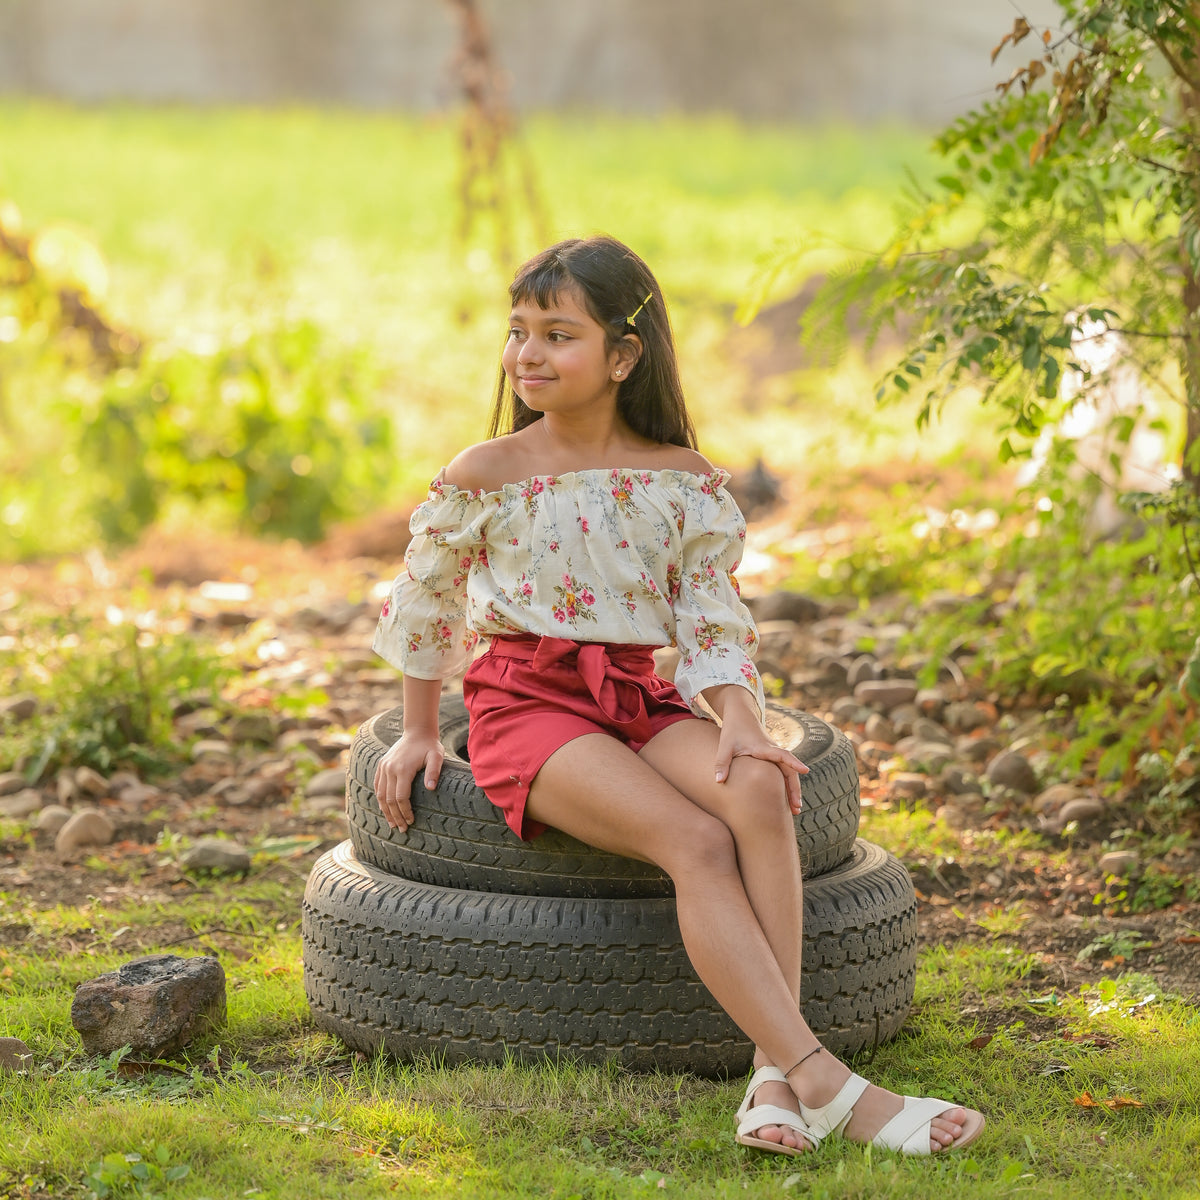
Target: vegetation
[1085,1091]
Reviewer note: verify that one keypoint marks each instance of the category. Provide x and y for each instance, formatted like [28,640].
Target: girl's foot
[820,1080]
[769,1099]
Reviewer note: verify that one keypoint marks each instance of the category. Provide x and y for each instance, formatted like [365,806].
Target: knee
[705,848]
[758,797]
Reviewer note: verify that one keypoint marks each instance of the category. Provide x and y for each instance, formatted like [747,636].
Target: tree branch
[1175,64]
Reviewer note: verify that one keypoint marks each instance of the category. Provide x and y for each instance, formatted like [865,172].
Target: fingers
[393,790]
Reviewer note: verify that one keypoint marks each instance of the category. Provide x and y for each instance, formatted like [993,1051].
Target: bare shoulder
[488,466]
[680,458]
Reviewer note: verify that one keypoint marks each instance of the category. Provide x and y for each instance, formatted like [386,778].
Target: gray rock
[958,781]
[1083,809]
[931,702]
[134,795]
[87,827]
[252,727]
[976,750]
[14,1054]
[91,783]
[18,708]
[1121,863]
[51,819]
[904,717]
[12,782]
[1055,797]
[203,722]
[954,817]
[862,670]
[785,606]
[327,783]
[879,729]
[21,805]
[908,785]
[885,694]
[965,716]
[66,788]
[931,731]
[211,748]
[930,756]
[873,753]
[1012,770]
[847,709]
[154,1005]
[216,854]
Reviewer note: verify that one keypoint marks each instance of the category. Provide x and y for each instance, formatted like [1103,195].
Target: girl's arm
[742,733]
[418,749]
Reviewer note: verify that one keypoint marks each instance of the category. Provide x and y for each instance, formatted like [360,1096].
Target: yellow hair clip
[632,320]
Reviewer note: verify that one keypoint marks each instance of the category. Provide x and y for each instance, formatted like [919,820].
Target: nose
[530,351]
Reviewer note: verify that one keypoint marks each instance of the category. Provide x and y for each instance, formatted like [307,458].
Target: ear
[625,356]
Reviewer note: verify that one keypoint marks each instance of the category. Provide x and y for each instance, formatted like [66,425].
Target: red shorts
[528,696]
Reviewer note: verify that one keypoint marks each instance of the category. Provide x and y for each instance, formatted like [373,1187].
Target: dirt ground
[315,610]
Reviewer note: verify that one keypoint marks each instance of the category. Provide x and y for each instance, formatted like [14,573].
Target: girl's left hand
[742,734]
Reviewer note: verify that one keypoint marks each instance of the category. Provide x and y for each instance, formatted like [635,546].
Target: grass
[1085,1094]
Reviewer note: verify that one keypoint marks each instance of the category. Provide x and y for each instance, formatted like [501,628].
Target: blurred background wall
[861,60]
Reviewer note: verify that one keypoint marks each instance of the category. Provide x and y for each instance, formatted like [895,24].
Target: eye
[559,336]
[515,335]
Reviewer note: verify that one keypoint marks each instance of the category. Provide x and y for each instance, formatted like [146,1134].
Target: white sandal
[907,1131]
[751,1117]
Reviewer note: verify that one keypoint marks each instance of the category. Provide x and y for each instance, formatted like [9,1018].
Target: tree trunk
[1190,103]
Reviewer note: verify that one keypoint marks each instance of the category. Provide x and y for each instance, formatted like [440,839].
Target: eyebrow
[548,319]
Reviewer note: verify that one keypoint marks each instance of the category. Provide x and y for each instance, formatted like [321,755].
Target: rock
[976,749]
[21,805]
[67,788]
[930,756]
[908,785]
[51,819]
[12,782]
[953,816]
[862,670]
[1056,796]
[134,795]
[1121,863]
[252,727]
[327,783]
[91,783]
[879,729]
[885,694]
[14,1054]
[335,615]
[201,722]
[847,710]
[965,716]
[18,708]
[216,854]
[87,827]
[904,717]
[785,606]
[957,781]
[153,1005]
[211,748]
[1012,770]
[319,806]
[931,702]
[873,753]
[1083,809]
[931,731]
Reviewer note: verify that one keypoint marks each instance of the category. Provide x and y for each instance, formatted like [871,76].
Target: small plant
[1119,946]
[131,1174]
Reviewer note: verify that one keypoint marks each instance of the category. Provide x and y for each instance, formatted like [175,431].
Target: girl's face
[557,359]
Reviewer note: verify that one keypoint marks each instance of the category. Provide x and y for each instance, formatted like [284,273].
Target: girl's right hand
[398,768]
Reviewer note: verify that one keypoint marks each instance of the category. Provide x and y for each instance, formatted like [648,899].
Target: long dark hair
[614,284]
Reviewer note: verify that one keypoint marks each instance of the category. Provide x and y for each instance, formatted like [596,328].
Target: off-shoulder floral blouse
[622,556]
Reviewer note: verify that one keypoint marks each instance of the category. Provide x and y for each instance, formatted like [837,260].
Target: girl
[588,533]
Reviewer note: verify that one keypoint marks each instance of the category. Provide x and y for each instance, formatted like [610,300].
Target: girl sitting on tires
[577,540]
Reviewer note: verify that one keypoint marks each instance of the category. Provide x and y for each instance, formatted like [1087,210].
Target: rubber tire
[459,838]
[421,971]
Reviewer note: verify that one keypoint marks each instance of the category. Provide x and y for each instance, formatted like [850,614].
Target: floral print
[611,555]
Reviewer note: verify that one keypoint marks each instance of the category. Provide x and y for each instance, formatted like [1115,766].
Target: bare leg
[712,843]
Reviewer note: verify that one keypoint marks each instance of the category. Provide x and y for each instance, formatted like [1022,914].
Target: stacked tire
[456,941]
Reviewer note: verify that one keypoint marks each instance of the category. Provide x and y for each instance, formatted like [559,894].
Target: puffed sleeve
[423,624]
[714,630]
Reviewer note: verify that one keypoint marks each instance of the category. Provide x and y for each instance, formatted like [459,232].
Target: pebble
[879,729]
[91,783]
[874,753]
[862,670]
[66,788]
[904,717]
[1083,809]
[1121,863]
[51,819]
[18,708]
[931,731]
[308,739]
[965,716]
[252,727]
[327,783]
[885,694]
[211,748]
[953,816]
[908,785]
[1056,796]
[14,1055]
[931,701]
[1012,770]
[847,710]
[21,805]
[930,756]
[958,781]
[976,749]
[216,854]
[12,782]
[203,722]
[787,606]
[87,827]
[136,794]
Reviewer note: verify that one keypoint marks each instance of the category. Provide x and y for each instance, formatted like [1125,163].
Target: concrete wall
[779,59]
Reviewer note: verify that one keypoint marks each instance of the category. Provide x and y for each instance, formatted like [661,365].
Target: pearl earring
[619,374]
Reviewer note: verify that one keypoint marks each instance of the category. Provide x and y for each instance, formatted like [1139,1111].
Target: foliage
[107,692]
[131,1174]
